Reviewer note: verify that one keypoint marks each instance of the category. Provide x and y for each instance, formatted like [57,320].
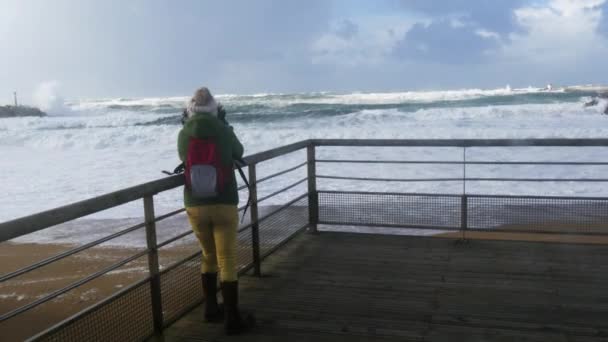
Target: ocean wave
[88,155]
[248,108]
[125,128]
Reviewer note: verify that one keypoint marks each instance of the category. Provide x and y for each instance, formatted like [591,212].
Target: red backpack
[206,177]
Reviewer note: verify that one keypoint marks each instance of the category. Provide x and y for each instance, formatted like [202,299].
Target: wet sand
[34,285]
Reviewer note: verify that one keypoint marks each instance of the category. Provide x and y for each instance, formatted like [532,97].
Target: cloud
[562,33]
[492,15]
[603,27]
[446,41]
[363,41]
[346,29]
[152,47]
[457,31]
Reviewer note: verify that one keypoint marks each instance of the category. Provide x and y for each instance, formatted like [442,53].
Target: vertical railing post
[313,196]
[155,290]
[255,226]
[464,211]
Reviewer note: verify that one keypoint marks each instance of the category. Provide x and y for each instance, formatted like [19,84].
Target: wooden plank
[337,286]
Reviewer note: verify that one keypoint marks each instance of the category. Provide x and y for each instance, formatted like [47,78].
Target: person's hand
[221,113]
[184,117]
[179,169]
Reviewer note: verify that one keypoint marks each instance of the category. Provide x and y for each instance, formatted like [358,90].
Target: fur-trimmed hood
[210,108]
[202,102]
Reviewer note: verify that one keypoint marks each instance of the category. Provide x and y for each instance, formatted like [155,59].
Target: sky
[147,48]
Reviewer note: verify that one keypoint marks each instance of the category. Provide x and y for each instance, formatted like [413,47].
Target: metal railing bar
[193,256]
[285,241]
[388,225]
[522,231]
[175,238]
[89,309]
[388,193]
[457,229]
[33,223]
[355,161]
[447,162]
[282,190]
[391,179]
[414,194]
[472,179]
[242,187]
[179,263]
[72,286]
[66,254]
[539,197]
[580,180]
[535,163]
[282,172]
[248,226]
[277,152]
[283,207]
[461,142]
[167,215]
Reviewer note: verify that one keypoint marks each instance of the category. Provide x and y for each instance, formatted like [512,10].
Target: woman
[208,147]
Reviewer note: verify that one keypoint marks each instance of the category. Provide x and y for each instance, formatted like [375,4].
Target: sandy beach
[29,287]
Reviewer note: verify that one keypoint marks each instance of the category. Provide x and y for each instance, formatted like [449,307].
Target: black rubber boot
[234,323]
[213,312]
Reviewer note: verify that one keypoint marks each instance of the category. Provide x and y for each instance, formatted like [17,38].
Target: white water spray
[47,98]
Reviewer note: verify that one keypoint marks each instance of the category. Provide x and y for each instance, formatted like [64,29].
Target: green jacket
[205,125]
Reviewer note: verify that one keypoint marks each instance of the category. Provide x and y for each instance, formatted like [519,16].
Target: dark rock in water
[19,111]
[591,103]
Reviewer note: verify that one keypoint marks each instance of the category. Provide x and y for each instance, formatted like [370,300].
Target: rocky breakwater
[18,111]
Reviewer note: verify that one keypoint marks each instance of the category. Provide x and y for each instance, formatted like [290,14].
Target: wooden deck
[358,287]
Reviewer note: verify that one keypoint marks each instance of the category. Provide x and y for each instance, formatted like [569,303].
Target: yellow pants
[216,227]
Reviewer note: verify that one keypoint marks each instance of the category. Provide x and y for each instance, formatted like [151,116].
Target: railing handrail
[557,142]
[276,152]
[33,223]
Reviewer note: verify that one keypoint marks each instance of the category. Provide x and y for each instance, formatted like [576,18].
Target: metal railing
[464,211]
[268,231]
